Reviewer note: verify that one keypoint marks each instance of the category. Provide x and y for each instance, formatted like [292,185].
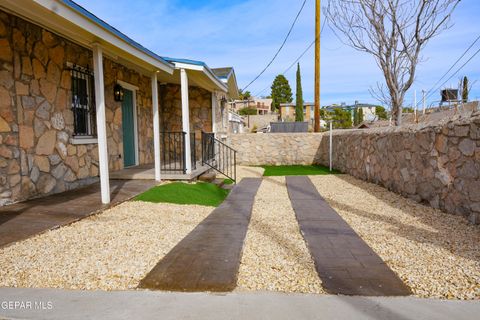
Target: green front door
[128,129]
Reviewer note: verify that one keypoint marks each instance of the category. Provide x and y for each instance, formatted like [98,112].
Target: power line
[298,59]
[281,47]
[455,73]
[286,70]
[431,90]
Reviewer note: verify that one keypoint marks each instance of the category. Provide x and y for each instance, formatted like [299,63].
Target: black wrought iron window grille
[83,101]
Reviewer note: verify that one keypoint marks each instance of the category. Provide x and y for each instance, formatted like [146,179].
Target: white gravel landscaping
[436,254]
[113,250]
[275,256]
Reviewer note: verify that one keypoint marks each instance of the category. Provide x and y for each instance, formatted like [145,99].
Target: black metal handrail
[173,155]
[219,156]
[193,150]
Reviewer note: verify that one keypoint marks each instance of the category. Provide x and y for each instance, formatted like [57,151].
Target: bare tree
[394,32]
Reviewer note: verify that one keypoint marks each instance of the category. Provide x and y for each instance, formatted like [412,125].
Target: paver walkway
[208,258]
[25,219]
[344,262]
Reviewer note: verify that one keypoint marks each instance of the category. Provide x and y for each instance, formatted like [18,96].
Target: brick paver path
[25,219]
[344,262]
[208,258]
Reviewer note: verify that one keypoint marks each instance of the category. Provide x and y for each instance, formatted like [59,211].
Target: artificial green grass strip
[227,181]
[201,193]
[297,170]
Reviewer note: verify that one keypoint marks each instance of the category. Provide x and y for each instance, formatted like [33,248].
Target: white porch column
[214,110]
[156,126]
[186,119]
[101,123]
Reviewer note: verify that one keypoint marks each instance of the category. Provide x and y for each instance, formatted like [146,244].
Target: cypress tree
[299,97]
[465,89]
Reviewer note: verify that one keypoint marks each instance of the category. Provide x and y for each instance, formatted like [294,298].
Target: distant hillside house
[263,106]
[287,112]
[367,109]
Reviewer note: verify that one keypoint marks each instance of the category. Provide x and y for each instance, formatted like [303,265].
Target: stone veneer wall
[200,104]
[221,118]
[36,122]
[113,114]
[438,165]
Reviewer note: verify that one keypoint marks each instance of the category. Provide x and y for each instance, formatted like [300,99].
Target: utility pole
[423,101]
[415,105]
[317,66]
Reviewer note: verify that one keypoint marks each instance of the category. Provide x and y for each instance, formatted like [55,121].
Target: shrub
[247,111]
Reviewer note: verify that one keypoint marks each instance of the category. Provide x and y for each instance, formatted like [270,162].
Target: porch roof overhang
[199,74]
[227,76]
[70,20]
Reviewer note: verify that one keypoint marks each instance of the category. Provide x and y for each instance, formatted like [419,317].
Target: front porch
[173,159]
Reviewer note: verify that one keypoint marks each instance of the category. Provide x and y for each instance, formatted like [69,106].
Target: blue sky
[246,34]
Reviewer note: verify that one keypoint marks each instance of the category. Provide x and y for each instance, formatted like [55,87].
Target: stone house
[80,101]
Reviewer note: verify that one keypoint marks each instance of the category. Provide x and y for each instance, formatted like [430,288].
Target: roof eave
[203,68]
[234,77]
[62,17]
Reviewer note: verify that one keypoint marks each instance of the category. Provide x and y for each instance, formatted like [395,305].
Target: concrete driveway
[63,304]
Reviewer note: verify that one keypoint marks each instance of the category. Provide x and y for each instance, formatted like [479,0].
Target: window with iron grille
[83,102]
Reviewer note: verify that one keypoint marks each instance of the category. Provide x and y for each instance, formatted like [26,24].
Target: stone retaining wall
[260,120]
[276,148]
[438,165]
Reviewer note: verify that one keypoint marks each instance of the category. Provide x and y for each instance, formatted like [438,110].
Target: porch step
[220,182]
[147,172]
[209,176]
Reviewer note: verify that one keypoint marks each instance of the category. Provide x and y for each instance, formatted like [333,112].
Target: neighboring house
[80,100]
[236,122]
[263,106]
[222,124]
[287,112]
[368,110]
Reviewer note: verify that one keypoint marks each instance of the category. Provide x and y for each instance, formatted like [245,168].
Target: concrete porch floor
[22,220]
[147,172]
